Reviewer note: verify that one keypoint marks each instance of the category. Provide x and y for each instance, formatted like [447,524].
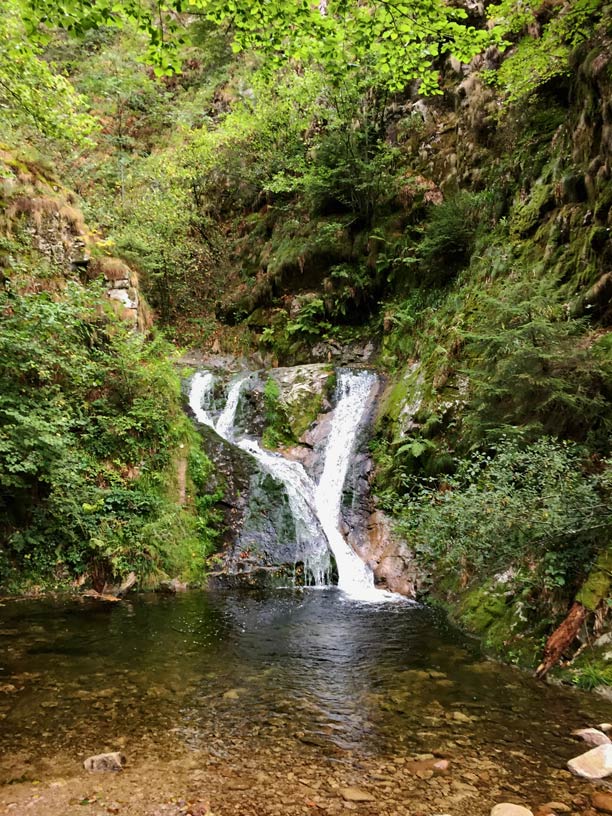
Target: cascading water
[354,576]
[315,509]
[298,485]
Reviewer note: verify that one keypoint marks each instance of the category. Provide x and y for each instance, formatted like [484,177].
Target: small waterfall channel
[315,507]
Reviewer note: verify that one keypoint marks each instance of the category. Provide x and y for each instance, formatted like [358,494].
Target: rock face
[595,764]
[105,762]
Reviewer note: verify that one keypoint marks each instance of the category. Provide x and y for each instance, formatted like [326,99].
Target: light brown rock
[602,801]
[105,762]
[594,764]
[509,809]
[356,795]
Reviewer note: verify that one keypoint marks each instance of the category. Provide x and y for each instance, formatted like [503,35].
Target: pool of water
[285,673]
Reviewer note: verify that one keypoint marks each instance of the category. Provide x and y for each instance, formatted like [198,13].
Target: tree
[28,83]
[401,40]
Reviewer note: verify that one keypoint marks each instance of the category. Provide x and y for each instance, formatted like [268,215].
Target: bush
[533,509]
[90,418]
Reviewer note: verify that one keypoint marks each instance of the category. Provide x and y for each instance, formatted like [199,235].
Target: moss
[597,586]
[482,606]
[300,415]
[399,398]
[528,215]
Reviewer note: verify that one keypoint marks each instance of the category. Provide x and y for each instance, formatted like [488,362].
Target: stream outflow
[315,507]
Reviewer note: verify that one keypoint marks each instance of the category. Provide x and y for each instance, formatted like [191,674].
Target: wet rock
[592,736]
[431,767]
[356,795]
[172,586]
[105,762]
[509,809]
[557,807]
[232,694]
[602,801]
[594,764]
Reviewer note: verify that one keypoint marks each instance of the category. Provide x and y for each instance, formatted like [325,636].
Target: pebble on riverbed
[509,809]
[105,762]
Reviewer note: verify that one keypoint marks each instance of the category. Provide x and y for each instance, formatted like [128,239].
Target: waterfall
[354,576]
[199,397]
[298,485]
[315,508]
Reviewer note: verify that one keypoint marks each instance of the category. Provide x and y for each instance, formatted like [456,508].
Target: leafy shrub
[533,509]
[90,416]
[450,234]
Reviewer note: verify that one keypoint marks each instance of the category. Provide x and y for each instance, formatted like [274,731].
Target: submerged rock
[105,762]
[594,764]
[602,801]
[509,809]
[356,795]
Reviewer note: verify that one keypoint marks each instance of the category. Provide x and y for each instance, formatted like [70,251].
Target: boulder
[105,762]
[594,764]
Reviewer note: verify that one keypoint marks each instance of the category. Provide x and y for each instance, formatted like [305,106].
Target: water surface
[264,678]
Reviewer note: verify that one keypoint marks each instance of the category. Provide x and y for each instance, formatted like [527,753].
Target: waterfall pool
[272,703]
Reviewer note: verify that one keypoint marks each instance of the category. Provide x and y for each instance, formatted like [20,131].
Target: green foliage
[533,509]
[401,41]
[450,234]
[592,676]
[32,93]
[543,50]
[532,370]
[89,417]
[277,431]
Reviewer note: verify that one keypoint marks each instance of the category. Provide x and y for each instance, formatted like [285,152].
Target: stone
[592,736]
[594,764]
[232,694]
[356,795]
[459,716]
[105,762]
[509,809]
[557,807]
[602,801]
[173,586]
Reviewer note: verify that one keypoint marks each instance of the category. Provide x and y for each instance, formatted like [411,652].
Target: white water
[354,576]
[298,485]
[314,508]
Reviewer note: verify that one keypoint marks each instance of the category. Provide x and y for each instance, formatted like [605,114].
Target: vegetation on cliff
[426,175]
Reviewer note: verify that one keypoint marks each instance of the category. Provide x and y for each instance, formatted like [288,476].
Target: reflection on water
[208,670]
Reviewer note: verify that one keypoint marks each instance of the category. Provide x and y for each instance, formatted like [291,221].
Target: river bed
[276,702]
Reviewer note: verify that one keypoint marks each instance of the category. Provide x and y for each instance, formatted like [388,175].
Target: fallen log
[562,638]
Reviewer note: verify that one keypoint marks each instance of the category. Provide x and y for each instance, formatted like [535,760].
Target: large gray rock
[595,764]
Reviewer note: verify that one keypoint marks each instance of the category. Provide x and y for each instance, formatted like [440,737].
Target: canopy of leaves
[31,92]
[400,40]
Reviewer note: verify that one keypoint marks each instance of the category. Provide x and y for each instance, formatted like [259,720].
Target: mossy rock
[401,401]
[597,586]
[527,215]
